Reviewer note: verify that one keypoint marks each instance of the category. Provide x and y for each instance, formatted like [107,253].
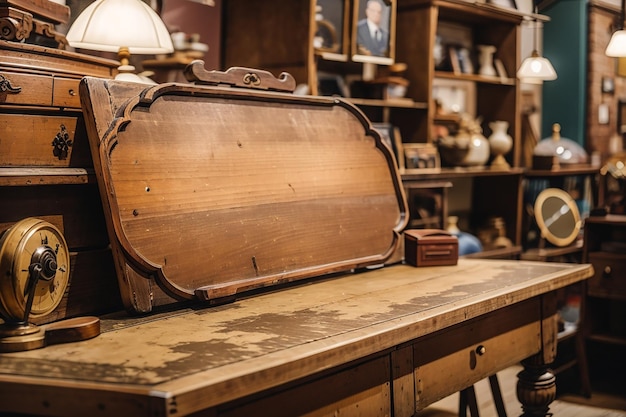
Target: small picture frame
[608,85]
[465,60]
[500,69]
[391,136]
[332,22]
[331,85]
[455,64]
[374,31]
[421,156]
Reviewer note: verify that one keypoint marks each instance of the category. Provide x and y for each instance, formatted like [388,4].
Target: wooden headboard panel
[211,191]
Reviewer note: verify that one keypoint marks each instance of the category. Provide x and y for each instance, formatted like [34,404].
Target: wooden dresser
[605,301]
[46,169]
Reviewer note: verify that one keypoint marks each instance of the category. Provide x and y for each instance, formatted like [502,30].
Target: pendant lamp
[536,69]
[617,44]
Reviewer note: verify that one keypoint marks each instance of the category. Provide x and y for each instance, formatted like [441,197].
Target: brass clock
[34,273]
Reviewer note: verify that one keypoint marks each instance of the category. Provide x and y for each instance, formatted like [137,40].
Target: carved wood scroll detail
[6,87]
[240,77]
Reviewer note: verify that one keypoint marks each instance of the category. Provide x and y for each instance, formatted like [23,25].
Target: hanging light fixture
[536,69]
[617,44]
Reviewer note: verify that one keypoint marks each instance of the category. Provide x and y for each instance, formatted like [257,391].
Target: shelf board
[476,78]
[22,176]
[459,172]
[607,338]
[405,103]
[563,171]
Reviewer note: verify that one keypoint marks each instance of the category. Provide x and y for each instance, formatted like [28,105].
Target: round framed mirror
[557,216]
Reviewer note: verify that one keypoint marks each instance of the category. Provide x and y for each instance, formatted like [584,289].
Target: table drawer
[363,390]
[457,359]
[65,93]
[25,89]
[609,277]
[44,140]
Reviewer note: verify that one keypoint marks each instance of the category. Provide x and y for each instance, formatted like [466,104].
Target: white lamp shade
[107,25]
[536,69]
[617,45]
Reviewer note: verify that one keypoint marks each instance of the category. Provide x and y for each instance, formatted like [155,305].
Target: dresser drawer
[454,360]
[26,89]
[65,92]
[37,140]
[609,279]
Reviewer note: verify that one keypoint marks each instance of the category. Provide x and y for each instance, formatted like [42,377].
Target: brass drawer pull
[606,273]
[6,87]
[481,350]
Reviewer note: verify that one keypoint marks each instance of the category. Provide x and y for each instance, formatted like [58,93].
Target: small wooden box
[430,247]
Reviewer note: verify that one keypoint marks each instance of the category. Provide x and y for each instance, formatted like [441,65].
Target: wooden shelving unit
[288,46]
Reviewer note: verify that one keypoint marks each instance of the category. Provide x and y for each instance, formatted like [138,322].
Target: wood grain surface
[202,357]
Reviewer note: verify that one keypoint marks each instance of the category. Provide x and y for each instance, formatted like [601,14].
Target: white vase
[500,142]
[485,59]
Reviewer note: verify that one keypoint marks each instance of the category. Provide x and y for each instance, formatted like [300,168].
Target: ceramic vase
[500,142]
[477,149]
[485,59]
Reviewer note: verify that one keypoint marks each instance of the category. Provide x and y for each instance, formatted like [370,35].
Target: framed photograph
[374,31]
[500,70]
[332,22]
[455,96]
[608,85]
[331,85]
[509,4]
[391,137]
[422,156]
[453,56]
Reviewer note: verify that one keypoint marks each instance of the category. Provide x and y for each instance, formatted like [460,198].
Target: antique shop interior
[312,207]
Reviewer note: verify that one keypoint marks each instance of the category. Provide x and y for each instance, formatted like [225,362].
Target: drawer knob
[71,92]
[607,271]
[481,350]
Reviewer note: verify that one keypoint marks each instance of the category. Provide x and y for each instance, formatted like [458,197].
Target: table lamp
[122,26]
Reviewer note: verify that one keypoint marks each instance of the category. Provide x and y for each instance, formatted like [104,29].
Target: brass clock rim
[11,243]
[571,204]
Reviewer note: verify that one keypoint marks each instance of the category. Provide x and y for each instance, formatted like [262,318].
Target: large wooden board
[212,191]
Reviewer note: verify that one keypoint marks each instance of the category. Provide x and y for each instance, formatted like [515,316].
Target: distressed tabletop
[196,358]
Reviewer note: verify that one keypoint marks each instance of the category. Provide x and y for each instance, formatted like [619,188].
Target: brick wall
[602,20]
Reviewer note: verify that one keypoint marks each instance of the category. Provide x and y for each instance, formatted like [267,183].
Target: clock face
[32,244]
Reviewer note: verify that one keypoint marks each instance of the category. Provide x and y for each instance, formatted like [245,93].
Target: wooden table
[378,343]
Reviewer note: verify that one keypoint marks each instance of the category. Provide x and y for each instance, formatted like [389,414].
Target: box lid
[430,235]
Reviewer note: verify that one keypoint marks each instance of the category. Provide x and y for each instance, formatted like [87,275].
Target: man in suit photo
[372,38]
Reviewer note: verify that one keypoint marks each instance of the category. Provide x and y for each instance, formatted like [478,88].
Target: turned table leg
[536,387]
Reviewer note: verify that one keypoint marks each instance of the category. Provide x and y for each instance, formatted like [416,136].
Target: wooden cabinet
[46,170]
[605,327]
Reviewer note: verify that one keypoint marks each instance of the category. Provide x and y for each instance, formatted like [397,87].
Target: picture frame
[455,96]
[332,22]
[391,136]
[365,46]
[453,56]
[329,84]
[500,69]
[608,85]
[423,157]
